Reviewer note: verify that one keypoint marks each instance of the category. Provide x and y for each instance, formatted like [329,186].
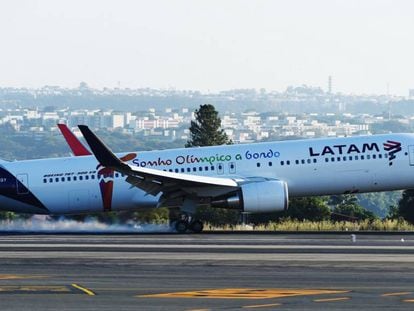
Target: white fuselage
[309,167]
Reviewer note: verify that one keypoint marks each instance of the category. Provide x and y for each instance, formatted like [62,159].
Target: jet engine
[256,197]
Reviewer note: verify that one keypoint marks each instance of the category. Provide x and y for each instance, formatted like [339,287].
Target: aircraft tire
[181,226]
[197,226]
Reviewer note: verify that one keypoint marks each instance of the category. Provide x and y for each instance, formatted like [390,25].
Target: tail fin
[74,143]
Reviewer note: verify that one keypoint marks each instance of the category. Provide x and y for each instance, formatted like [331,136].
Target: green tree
[310,208]
[151,215]
[393,212]
[206,130]
[5,215]
[218,216]
[347,208]
[379,202]
[406,205]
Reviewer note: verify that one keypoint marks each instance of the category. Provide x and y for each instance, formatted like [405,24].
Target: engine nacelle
[257,197]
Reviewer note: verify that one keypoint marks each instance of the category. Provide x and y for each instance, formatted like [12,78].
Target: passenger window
[206,167]
[68,178]
[344,158]
[326,160]
[287,162]
[182,170]
[62,179]
[380,156]
[188,169]
[338,158]
[57,179]
[92,176]
[350,158]
[297,161]
[50,179]
[87,177]
[309,161]
[170,170]
[282,163]
[386,155]
[44,180]
[80,177]
[258,164]
[74,178]
[368,156]
[374,156]
[333,159]
[195,169]
[270,163]
[212,167]
[362,157]
[302,161]
[356,158]
[200,168]
[314,160]
[176,170]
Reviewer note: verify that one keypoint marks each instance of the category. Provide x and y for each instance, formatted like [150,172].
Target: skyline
[209,45]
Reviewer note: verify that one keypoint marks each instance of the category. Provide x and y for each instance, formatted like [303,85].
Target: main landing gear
[187,223]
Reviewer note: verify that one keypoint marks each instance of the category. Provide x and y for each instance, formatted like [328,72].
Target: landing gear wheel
[196,226]
[181,226]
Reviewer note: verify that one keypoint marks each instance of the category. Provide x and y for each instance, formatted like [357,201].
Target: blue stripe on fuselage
[9,185]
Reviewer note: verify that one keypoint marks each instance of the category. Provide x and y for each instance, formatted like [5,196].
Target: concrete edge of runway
[219,232]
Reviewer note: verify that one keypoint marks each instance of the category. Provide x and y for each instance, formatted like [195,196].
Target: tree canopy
[206,129]
[347,208]
[310,208]
[406,206]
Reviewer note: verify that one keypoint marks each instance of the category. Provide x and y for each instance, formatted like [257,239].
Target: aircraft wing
[156,181]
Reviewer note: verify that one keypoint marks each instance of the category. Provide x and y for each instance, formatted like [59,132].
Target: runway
[206,272]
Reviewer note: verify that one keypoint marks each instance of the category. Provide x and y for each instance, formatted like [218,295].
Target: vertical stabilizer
[74,143]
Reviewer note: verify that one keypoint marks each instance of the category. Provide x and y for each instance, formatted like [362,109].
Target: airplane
[254,178]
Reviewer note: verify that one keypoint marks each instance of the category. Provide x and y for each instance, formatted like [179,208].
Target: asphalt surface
[206,272]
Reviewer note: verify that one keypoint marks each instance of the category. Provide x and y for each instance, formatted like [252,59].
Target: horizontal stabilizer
[102,153]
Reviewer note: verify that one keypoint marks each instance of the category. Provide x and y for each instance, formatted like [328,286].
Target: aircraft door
[411,154]
[220,168]
[22,181]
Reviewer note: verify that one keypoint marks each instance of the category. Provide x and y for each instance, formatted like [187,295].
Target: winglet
[75,145]
[102,153]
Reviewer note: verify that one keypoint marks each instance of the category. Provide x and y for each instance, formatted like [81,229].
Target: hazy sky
[209,45]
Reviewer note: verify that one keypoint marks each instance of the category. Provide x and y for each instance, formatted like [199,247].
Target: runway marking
[45,289]
[245,293]
[396,294]
[20,276]
[35,289]
[331,299]
[262,306]
[83,289]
